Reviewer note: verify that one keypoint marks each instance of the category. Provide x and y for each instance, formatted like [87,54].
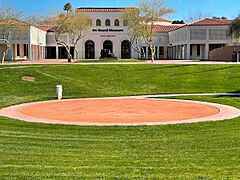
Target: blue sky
[227,8]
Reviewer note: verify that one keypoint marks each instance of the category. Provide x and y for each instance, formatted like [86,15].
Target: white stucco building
[195,40]
[26,42]
[110,31]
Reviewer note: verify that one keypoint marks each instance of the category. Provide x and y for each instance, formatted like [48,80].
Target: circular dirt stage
[120,111]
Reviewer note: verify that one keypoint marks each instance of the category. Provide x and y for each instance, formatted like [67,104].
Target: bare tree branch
[73,25]
[196,16]
[9,24]
[142,22]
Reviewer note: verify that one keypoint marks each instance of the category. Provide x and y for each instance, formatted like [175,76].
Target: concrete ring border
[225,112]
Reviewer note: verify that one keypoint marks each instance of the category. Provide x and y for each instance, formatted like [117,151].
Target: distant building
[27,43]
[109,31]
[195,40]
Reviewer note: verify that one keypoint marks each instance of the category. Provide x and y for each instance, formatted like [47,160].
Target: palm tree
[234,30]
[67,7]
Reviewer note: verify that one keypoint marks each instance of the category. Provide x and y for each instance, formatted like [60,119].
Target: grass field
[209,150]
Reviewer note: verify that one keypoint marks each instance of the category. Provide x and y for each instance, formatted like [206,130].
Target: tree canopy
[142,21]
[67,7]
[9,24]
[178,22]
[234,30]
[73,25]
[219,18]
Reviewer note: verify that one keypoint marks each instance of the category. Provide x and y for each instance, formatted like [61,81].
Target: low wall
[223,54]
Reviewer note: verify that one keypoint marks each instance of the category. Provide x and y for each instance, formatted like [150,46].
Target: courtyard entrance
[125,50]
[107,45]
[89,50]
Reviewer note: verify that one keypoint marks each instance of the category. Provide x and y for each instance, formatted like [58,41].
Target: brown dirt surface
[118,111]
[28,78]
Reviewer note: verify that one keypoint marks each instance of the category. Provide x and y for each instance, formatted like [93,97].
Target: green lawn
[107,60]
[209,150]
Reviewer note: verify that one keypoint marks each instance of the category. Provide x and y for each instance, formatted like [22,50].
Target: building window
[18,49]
[161,51]
[191,49]
[156,52]
[98,22]
[125,49]
[107,22]
[125,22]
[116,22]
[198,49]
[50,52]
[26,50]
[89,50]
[198,34]
[218,34]
[215,46]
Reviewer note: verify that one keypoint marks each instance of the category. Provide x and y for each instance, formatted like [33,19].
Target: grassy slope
[199,151]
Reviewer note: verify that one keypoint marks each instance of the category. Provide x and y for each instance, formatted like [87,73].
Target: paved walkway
[192,94]
[174,95]
[64,61]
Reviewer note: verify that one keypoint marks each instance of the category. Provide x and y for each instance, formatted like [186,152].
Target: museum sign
[108,30]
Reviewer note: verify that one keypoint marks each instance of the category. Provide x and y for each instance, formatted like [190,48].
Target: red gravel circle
[118,111]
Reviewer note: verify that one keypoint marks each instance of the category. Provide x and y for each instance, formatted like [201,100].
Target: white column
[146,52]
[182,51]
[10,52]
[188,57]
[185,52]
[29,52]
[57,52]
[44,52]
[172,52]
[206,51]
[177,54]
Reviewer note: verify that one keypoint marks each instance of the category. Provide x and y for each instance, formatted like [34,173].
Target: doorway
[89,50]
[125,50]
[108,46]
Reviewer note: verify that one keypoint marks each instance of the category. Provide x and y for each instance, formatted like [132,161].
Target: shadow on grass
[205,71]
[163,67]
[232,94]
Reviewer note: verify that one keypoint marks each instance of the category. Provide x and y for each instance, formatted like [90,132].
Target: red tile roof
[44,27]
[103,9]
[162,20]
[211,22]
[208,22]
[162,28]
[50,20]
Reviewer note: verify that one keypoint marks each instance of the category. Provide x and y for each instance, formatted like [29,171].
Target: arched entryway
[125,49]
[108,45]
[89,50]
